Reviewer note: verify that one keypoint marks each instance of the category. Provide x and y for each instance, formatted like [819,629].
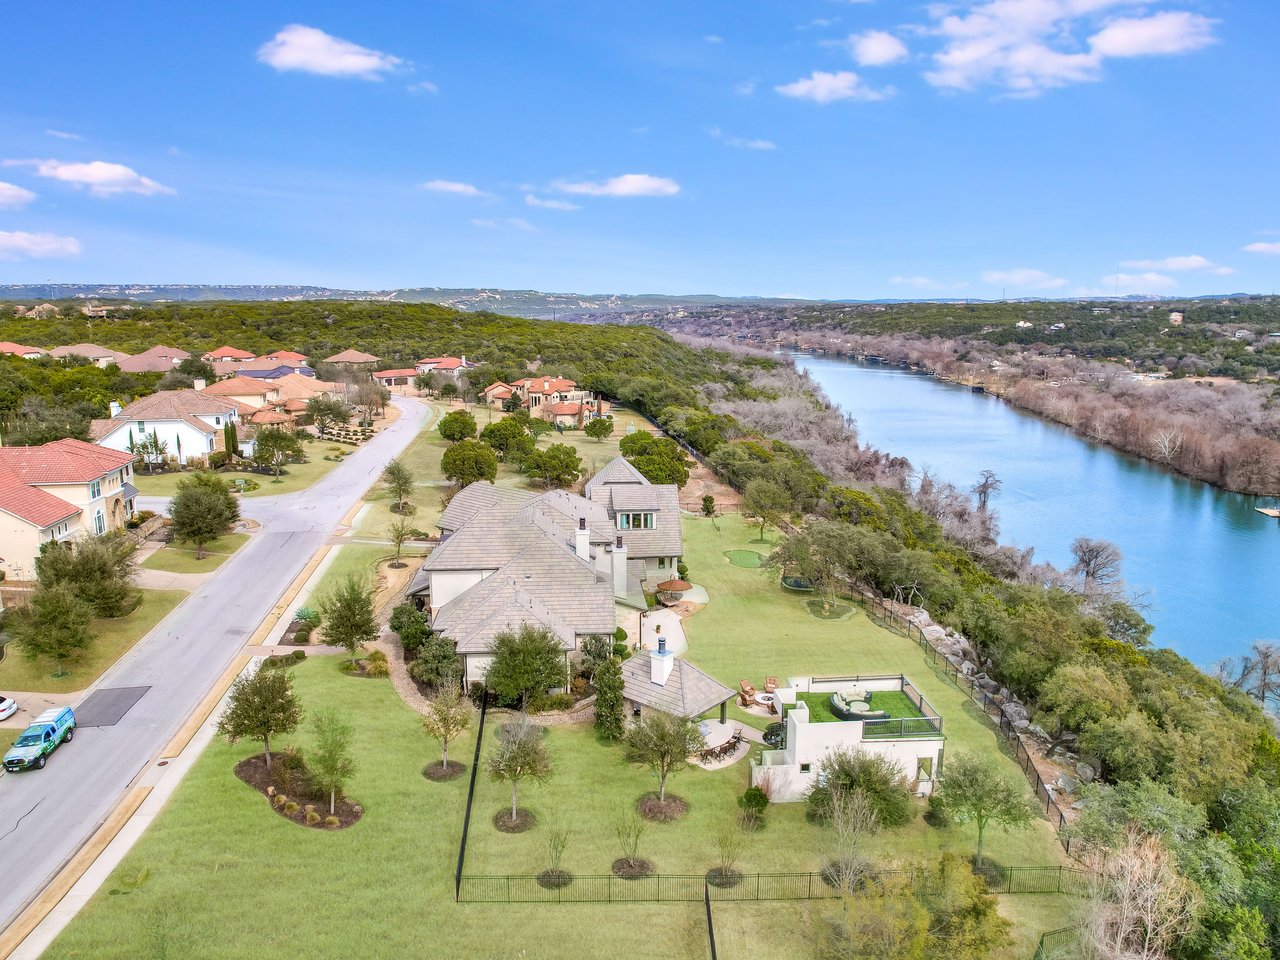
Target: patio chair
[770,684]
[747,694]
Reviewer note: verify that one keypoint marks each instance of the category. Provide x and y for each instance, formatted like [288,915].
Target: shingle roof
[90,351]
[486,543]
[474,619]
[62,461]
[237,386]
[616,471]
[620,487]
[177,405]
[295,386]
[352,356]
[631,496]
[476,498]
[155,360]
[32,504]
[688,692]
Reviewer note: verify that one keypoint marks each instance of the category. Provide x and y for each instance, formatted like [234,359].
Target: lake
[1206,564]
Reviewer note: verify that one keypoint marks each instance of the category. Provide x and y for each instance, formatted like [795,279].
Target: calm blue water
[1208,564]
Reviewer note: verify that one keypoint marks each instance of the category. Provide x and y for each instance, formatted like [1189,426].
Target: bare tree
[1166,443]
[853,819]
[1259,672]
[1098,564]
[988,483]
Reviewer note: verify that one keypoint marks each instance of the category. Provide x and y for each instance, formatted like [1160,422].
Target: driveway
[46,815]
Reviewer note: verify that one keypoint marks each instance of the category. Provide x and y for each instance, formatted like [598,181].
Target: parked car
[46,733]
[8,707]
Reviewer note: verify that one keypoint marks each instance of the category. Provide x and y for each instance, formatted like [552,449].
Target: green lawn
[893,702]
[179,558]
[7,736]
[114,638]
[297,476]
[226,878]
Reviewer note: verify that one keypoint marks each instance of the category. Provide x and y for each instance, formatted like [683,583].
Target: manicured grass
[113,640]
[297,476]
[819,705]
[7,736]
[361,559]
[228,878]
[750,559]
[179,558]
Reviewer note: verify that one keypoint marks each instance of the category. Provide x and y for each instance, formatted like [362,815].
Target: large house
[226,355]
[98,356]
[10,349]
[880,715]
[157,359]
[59,491]
[250,391]
[189,423]
[647,514]
[454,367]
[557,399]
[554,559]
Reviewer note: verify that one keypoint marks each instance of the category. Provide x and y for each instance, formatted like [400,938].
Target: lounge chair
[770,684]
[746,694]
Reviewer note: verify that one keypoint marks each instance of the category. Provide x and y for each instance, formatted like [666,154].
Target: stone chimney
[115,408]
[582,540]
[660,662]
[619,568]
[198,383]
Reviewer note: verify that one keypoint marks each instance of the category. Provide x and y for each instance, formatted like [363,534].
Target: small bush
[682,569]
[307,615]
[291,808]
[551,701]
[289,775]
[403,615]
[376,668]
[878,778]
[754,800]
[619,635]
[303,633]
[332,822]
[298,656]
[219,459]
[309,808]
[621,650]
[279,800]
[578,687]
[376,656]
[312,818]
[774,734]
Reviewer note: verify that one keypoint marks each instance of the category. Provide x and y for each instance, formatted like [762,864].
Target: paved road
[46,815]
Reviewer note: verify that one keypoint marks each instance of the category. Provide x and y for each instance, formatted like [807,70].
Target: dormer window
[635,521]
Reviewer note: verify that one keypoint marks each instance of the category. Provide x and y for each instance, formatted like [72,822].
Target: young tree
[273,447]
[520,753]
[976,791]
[597,650]
[151,449]
[260,706]
[230,439]
[399,481]
[598,428]
[765,501]
[400,532]
[202,509]
[458,425]
[347,615]
[469,461]
[372,397]
[330,760]
[663,742]
[326,412]
[55,626]
[447,717]
[708,505]
[527,661]
[882,921]
[609,706]
[557,466]
[877,778]
[99,569]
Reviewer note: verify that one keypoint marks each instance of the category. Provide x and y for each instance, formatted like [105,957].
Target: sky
[835,149]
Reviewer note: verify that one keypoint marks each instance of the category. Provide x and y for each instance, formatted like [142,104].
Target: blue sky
[822,149]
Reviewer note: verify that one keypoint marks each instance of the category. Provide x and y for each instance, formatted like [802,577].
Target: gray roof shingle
[688,692]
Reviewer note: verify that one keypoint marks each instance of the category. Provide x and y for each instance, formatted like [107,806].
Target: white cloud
[1262,248]
[875,48]
[18,245]
[423,86]
[63,135]
[100,178]
[920,283]
[505,223]
[309,50]
[13,196]
[713,38]
[626,185]
[1029,46]
[1124,284]
[1024,277]
[1189,262]
[823,87]
[741,143]
[745,88]
[817,23]
[1159,35]
[548,203]
[455,187]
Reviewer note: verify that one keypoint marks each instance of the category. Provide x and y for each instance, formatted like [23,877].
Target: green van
[46,733]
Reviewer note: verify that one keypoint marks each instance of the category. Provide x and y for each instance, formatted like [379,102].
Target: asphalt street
[46,815]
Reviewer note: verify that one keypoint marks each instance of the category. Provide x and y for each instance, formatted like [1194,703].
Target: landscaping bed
[443,773]
[253,771]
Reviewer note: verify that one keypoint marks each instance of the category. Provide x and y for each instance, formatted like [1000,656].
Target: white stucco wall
[447,584]
[194,442]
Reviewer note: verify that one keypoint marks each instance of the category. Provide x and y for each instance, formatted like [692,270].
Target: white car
[8,707]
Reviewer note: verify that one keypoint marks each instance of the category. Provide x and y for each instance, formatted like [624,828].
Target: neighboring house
[265,369]
[556,559]
[396,378]
[58,491]
[249,391]
[11,349]
[45,311]
[657,680]
[452,366]
[295,390]
[226,355]
[98,356]
[189,423]
[353,360]
[158,359]
[909,732]
[646,514]
[286,356]
[549,398]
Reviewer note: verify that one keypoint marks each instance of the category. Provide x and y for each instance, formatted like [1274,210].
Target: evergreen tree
[55,626]
[347,616]
[202,509]
[261,706]
[609,705]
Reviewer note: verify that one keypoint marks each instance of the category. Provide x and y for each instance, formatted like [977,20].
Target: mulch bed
[253,771]
[719,877]
[358,670]
[662,811]
[629,869]
[555,879]
[442,773]
[524,820]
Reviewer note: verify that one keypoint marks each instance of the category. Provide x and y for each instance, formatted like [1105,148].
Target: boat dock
[1269,512]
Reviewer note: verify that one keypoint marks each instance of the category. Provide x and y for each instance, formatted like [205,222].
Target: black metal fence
[607,888]
[471,792]
[1060,944]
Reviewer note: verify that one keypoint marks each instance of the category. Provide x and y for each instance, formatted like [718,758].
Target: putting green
[745,558]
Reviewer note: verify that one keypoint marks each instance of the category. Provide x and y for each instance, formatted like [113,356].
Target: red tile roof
[17,349]
[31,503]
[158,359]
[352,356]
[564,408]
[545,384]
[286,356]
[63,461]
[446,363]
[228,353]
[239,386]
[269,416]
[388,374]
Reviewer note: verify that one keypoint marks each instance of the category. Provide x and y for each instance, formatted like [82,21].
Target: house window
[924,769]
[95,491]
[635,521]
[662,563]
[142,425]
[805,767]
[217,421]
[99,523]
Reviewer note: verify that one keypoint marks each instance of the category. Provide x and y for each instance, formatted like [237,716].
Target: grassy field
[114,639]
[177,558]
[226,878]
[7,736]
[297,476]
